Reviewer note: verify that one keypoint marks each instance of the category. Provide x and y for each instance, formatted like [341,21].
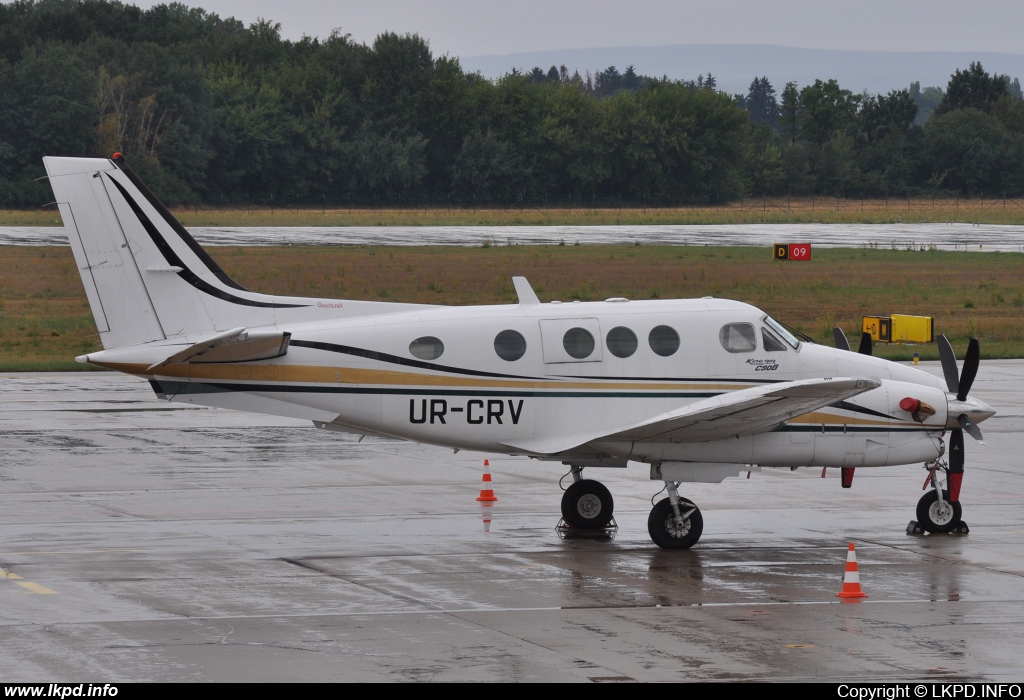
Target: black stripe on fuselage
[419,364]
[396,360]
[186,274]
[171,387]
[175,388]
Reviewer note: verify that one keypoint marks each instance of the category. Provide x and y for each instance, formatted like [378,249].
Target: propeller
[865,344]
[840,341]
[959,382]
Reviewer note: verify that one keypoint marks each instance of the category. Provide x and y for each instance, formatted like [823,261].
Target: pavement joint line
[376,589]
[941,557]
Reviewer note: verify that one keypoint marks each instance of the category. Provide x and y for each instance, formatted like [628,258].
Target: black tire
[661,525]
[587,505]
[933,521]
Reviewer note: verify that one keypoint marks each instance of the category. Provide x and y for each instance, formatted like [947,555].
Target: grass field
[750,211]
[45,320]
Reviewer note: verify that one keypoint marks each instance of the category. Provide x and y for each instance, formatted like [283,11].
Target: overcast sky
[481,27]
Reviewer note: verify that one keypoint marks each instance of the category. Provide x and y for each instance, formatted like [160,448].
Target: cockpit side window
[771,343]
[738,337]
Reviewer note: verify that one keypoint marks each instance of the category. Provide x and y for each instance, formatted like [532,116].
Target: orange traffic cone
[486,492]
[851,579]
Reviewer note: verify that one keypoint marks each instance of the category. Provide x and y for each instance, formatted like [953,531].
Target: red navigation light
[117,156]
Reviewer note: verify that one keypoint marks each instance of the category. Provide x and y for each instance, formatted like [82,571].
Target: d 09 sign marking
[791,251]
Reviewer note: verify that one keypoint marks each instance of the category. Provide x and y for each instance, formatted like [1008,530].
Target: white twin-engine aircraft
[699,389]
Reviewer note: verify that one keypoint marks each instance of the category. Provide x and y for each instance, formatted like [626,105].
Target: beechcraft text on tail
[699,389]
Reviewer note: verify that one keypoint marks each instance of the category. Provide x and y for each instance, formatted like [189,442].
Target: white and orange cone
[487,521]
[486,492]
[851,579]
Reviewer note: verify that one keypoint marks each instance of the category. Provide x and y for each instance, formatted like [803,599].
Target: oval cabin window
[426,348]
[621,341]
[510,345]
[578,343]
[663,340]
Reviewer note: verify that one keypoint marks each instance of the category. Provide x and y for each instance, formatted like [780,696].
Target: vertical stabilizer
[146,278]
[120,304]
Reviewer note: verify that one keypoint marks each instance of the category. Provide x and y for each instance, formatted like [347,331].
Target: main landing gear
[587,507]
[936,513]
[675,522]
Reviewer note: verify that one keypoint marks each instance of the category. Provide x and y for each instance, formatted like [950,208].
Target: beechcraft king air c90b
[699,389]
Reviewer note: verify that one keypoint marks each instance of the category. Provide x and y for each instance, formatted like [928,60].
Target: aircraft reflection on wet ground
[148,541]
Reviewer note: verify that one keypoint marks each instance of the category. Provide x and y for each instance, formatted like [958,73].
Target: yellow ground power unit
[912,329]
[899,328]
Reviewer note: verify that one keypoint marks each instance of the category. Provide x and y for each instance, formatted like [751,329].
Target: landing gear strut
[935,512]
[675,522]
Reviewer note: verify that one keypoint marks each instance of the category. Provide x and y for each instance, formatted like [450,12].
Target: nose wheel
[936,513]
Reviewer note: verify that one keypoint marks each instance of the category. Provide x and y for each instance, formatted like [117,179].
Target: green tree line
[209,110]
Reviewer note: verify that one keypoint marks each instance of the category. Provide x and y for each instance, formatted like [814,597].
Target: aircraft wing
[737,413]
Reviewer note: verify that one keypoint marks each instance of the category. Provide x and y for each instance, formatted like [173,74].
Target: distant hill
[735,65]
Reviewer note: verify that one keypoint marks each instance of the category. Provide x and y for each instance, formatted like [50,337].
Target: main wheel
[664,530]
[935,518]
[587,505]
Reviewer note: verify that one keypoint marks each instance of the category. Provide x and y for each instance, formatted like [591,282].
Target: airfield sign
[791,251]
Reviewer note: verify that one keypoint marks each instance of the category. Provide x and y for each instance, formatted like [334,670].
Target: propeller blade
[956,450]
[971,361]
[949,368]
[971,428]
[839,339]
[865,344]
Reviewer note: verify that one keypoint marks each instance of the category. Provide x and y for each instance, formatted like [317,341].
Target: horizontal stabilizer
[236,345]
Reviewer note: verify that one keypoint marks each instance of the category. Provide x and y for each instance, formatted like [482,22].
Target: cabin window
[663,340]
[738,337]
[510,345]
[426,348]
[771,343]
[578,343]
[621,341]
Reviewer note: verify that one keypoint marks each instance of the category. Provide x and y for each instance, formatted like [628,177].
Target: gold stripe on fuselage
[311,374]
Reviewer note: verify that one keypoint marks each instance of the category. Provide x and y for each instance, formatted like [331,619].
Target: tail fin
[145,277]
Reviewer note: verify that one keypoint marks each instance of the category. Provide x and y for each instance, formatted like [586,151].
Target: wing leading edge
[734,414]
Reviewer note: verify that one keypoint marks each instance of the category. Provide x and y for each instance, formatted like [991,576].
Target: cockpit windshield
[782,331]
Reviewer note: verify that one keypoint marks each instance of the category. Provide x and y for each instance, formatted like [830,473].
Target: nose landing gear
[936,513]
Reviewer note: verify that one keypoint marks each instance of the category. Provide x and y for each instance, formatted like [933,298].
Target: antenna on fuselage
[527,297]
